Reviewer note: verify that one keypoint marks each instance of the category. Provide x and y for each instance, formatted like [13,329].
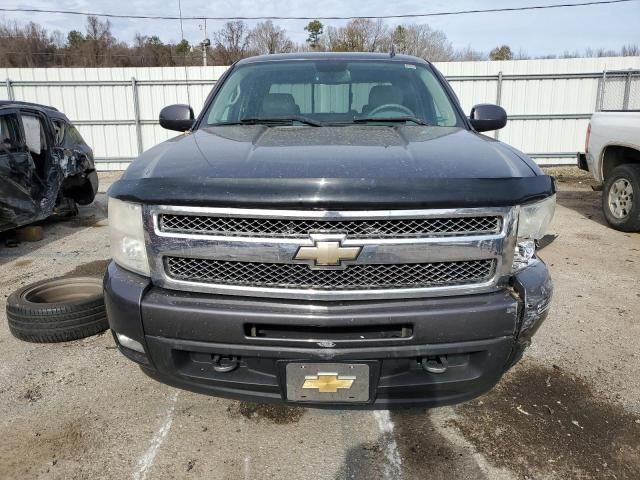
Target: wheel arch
[615,155]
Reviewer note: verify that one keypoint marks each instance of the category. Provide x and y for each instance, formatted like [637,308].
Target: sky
[536,33]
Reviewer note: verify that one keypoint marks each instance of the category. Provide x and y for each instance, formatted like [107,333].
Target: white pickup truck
[612,155]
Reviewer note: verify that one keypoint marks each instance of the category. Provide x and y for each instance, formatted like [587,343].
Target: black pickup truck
[331,231]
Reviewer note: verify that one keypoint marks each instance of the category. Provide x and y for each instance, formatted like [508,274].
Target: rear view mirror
[485,117]
[177,117]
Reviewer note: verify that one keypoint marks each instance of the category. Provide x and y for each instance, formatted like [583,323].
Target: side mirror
[177,117]
[485,117]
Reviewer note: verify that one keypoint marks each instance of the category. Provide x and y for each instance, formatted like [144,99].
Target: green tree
[154,41]
[399,38]
[183,47]
[501,53]
[315,29]
[74,39]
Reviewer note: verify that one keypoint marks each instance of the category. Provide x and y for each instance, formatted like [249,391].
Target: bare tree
[30,45]
[422,41]
[98,41]
[468,54]
[266,38]
[151,51]
[231,43]
[359,35]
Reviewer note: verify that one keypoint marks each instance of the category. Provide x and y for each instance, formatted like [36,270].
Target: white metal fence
[116,109]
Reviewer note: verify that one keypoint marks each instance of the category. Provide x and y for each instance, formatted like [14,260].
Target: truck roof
[332,56]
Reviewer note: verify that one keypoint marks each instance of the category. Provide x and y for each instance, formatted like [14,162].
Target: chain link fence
[619,90]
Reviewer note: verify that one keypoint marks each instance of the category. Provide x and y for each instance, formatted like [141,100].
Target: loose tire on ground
[622,210]
[57,310]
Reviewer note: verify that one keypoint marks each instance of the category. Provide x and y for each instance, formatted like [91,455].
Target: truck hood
[333,167]
[336,152]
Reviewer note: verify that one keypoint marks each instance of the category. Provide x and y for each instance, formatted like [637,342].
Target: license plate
[327,382]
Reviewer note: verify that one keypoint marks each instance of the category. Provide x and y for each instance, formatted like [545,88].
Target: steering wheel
[395,107]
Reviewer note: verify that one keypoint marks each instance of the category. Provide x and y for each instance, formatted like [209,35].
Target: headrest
[279,105]
[384,95]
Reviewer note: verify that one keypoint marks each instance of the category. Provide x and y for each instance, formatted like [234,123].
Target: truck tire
[621,198]
[57,310]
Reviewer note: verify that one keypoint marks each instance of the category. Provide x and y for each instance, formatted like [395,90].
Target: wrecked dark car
[331,231]
[46,167]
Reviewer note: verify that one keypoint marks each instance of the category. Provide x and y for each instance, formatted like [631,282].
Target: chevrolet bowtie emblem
[329,253]
[328,382]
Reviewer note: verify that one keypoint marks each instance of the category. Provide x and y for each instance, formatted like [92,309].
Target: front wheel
[621,209]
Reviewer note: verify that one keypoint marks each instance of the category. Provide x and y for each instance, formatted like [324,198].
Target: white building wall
[101,101]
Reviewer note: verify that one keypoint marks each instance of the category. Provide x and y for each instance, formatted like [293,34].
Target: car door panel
[19,202]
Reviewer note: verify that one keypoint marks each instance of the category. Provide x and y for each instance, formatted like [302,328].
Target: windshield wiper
[288,120]
[406,118]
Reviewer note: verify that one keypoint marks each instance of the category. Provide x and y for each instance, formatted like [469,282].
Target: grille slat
[354,277]
[297,228]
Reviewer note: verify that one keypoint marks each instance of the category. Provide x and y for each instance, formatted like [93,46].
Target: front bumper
[185,334]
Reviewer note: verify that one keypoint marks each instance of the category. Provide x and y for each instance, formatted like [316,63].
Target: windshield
[332,92]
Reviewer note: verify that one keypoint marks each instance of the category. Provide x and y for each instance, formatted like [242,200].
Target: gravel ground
[571,409]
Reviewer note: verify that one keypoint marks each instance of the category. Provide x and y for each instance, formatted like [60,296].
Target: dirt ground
[570,409]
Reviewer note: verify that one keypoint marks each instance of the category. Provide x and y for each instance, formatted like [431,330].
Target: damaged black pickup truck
[45,165]
[331,231]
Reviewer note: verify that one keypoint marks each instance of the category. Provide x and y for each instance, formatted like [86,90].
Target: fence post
[9,89]
[600,101]
[496,134]
[136,111]
[627,92]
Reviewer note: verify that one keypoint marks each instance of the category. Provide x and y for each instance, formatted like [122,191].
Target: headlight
[533,221]
[127,236]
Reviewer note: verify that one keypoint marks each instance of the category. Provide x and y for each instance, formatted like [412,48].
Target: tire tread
[52,323]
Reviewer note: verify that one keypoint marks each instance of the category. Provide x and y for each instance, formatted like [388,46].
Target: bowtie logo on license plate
[328,382]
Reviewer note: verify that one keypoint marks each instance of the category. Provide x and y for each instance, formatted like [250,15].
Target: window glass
[59,129]
[9,136]
[73,136]
[227,100]
[445,114]
[333,91]
[33,133]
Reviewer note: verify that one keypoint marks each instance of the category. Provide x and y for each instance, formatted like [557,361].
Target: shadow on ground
[90,216]
[585,202]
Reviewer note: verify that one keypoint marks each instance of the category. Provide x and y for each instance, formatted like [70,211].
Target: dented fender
[535,289]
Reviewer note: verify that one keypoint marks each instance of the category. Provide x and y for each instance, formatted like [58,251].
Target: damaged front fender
[80,177]
[534,290]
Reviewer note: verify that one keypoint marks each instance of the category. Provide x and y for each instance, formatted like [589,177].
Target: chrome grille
[354,277]
[354,228]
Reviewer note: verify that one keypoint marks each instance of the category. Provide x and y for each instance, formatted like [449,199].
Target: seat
[279,105]
[383,95]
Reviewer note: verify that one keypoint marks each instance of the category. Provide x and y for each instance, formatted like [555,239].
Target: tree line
[31,45]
